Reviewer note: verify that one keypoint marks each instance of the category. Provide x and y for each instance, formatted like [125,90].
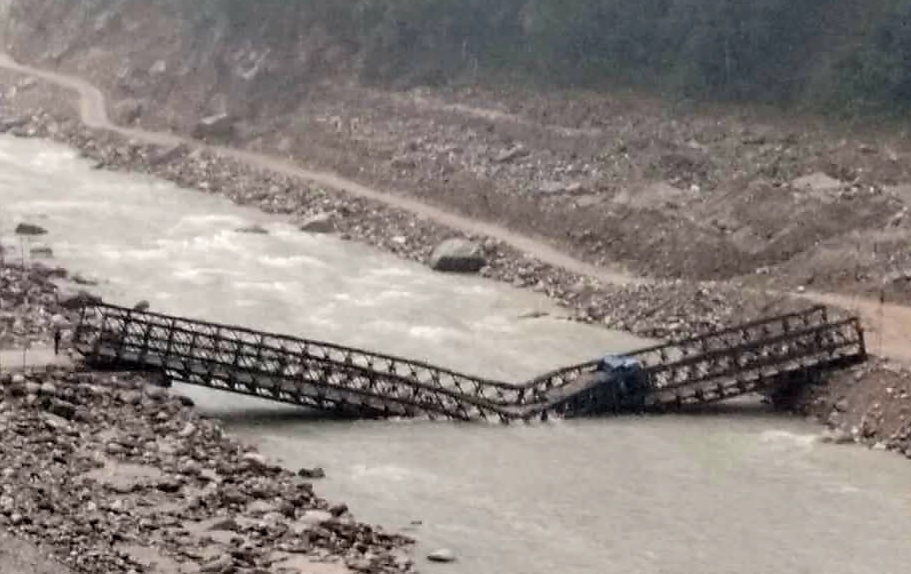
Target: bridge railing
[145,335]
[726,351]
[315,373]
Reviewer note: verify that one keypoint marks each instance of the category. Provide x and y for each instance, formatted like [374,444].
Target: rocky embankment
[115,474]
[652,309]
[870,404]
[28,304]
[111,473]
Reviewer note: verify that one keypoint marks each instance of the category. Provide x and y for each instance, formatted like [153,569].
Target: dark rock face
[30,229]
[459,256]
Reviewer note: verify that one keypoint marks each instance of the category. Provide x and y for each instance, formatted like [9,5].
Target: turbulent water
[733,490]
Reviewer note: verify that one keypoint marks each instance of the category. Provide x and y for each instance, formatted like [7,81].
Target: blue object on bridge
[626,375]
[612,363]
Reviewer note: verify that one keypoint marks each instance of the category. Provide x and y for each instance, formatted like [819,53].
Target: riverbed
[736,489]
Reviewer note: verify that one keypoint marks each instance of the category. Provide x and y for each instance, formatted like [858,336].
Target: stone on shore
[836,436]
[319,223]
[458,256]
[30,229]
[315,472]
[166,154]
[128,111]
[217,125]
[442,555]
[81,279]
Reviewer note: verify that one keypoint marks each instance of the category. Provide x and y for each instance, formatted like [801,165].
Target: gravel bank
[118,475]
[28,304]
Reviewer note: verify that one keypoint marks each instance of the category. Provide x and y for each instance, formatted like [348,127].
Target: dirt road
[888,324]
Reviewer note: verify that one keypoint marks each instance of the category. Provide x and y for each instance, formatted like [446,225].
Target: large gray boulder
[218,126]
[458,256]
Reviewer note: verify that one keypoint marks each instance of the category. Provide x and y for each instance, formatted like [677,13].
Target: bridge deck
[715,366]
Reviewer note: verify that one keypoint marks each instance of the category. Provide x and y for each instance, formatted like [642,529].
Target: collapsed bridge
[758,356]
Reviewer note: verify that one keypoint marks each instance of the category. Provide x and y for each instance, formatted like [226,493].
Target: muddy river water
[737,489]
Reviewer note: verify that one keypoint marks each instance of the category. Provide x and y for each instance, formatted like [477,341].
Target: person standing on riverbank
[59,324]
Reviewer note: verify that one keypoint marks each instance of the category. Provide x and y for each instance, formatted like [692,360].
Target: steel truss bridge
[758,356]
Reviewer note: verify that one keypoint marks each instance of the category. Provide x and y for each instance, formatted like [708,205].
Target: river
[737,489]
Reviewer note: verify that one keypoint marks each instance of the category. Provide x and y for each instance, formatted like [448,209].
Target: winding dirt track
[888,324]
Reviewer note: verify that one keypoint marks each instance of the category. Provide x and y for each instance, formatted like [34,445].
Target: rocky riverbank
[652,309]
[111,473]
[28,304]
[116,474]
[870,404]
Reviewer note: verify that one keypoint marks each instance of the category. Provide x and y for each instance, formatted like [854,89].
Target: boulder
[155,392]
[217,125]
[261,507]
[817,182]
[30,229]
[221,563]
[315,517]
[511,154]
[12,123]
[315,472]
[158,68]
[63,409]
[81,279]
[48,388]
[442,555]
[169,484]
[558,187]
[319,223]
[130,397]
[458,255]
[836,436]
[166,154]
[128,111]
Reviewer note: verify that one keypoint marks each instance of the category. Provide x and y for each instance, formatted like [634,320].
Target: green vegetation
[841,54]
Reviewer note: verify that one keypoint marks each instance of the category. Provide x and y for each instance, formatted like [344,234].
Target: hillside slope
[668,190]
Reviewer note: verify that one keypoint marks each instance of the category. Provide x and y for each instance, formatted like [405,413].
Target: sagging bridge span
[756,356]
